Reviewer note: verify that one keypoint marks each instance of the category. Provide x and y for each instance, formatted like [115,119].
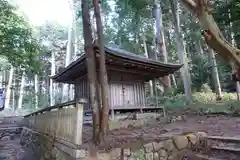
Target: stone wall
[172,149]
[42,146]
[141,122]
[46,148]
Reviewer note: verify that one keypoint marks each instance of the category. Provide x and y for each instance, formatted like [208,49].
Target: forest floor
[12,150]
[218,125]
[212,125]
[117,138]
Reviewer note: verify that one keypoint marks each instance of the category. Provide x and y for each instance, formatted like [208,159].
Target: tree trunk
[21,91]
[150,84]
[213,36]
[174,81]
[8,89]
[103,72]
[52,85]
[238,90]
[65,93]
[94,30]
[234,44]
[181,51]
[215,76]
[199,48]
[160,43]
[13,94]
[1,79]
[36,90]
[91,68]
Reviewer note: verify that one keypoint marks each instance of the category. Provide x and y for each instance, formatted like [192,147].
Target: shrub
[206,88]
[179,100]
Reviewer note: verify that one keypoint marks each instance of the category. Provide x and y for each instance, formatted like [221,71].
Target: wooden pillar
[79,121]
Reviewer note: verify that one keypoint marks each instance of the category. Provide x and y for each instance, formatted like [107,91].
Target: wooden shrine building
[127,74]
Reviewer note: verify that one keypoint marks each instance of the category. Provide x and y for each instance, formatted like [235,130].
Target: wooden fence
[63,121]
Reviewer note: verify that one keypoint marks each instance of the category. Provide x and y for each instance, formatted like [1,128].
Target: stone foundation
[173,148]
[141,122]
[46,148]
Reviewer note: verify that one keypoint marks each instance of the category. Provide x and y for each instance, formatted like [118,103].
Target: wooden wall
[82,90]
[122,94]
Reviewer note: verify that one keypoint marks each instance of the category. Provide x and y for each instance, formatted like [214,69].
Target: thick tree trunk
[91,68]
[215,76]
[213,36]
[103,72]
[8,89]
[160,43]
[181,51]
[234,44]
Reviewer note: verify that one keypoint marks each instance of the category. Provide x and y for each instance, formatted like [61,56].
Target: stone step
[229,149]
[206,157]
[221,138]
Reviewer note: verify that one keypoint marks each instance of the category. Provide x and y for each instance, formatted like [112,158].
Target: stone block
[127,151]
[180,142]
[201,134]
[157,146]
[148,147]
[104,156]
[155,156]
[149,156]
[116,152]
[169,146]
[193,139]
[131,157]
[162,154]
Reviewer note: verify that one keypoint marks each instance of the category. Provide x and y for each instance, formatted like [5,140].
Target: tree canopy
[17,43]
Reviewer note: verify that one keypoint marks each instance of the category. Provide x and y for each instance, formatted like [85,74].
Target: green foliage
[205,88]
[178,100]
[16,40]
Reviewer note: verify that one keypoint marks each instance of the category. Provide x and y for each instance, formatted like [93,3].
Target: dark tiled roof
[116,51]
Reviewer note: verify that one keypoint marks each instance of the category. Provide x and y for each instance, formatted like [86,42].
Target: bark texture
[212,34]
[91,68]
[217,85]
[8,89]
[160,44]
[103,72]
[181,51]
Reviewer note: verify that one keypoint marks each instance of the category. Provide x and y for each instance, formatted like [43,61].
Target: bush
[179,100]
[206,88]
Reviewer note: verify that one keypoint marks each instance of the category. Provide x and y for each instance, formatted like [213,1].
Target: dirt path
[217,126]
[10,147]
[12,150]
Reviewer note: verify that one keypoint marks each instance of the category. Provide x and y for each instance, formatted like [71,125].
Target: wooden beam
[137,67]
[138,72]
